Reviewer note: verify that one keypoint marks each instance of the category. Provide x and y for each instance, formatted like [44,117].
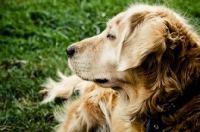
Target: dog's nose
[70,51]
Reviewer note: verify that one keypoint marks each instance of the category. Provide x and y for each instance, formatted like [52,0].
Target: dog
[140,74]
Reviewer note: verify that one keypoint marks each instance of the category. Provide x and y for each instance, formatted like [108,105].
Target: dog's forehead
[116,20]
[124,16]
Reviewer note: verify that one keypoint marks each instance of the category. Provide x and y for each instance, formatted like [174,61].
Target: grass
[33,37]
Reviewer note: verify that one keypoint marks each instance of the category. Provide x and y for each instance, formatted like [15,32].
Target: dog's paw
[62,89]
[81,87]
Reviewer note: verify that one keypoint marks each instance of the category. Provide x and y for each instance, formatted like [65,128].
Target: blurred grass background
[33,37]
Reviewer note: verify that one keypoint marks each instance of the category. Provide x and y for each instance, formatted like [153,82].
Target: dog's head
[142,53]
[124,44]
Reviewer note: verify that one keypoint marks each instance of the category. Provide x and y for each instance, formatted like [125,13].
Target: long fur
[152,56]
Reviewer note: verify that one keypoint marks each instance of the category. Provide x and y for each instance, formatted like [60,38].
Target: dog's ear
[147,37]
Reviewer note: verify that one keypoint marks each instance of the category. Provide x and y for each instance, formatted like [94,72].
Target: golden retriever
[150,58]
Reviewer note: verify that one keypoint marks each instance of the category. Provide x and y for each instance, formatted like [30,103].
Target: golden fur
[148,54]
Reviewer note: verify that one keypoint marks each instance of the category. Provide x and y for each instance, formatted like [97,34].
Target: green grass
[33,37]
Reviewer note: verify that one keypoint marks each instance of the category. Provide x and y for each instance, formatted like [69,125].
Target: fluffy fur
[149,55]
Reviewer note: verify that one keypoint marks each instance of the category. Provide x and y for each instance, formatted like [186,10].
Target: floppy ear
[146,38]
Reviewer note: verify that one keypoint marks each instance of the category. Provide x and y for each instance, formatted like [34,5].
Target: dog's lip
[101,81]
[96,80]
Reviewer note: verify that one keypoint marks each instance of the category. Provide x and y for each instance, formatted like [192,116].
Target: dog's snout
[70,51]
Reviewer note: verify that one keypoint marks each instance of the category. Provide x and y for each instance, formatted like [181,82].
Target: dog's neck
[192,90]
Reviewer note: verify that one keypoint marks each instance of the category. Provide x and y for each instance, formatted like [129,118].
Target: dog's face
[96,58]
[124,44]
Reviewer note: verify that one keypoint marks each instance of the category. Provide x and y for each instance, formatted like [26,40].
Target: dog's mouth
[98,80]
[101,81]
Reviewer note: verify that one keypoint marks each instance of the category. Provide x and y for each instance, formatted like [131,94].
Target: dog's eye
[111,37]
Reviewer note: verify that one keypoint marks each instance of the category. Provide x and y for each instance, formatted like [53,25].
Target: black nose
[70,51]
